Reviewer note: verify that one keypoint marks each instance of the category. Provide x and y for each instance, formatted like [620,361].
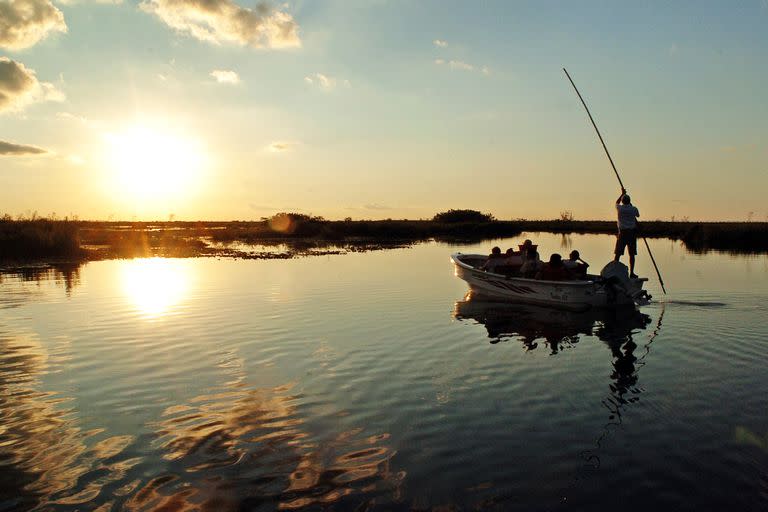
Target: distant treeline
[41,238]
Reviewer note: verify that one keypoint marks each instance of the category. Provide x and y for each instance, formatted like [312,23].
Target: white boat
[578,295]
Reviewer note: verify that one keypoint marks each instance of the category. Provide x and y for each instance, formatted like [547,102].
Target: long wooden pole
[661,281]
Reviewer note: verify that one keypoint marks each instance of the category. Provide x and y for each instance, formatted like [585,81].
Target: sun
[153,163]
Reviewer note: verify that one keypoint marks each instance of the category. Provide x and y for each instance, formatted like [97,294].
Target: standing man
[627,235]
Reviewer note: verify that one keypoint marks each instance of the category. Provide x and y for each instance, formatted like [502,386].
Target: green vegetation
[294,234]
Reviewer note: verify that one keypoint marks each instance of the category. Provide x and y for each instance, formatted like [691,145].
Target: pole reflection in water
[562,329]
[155,285]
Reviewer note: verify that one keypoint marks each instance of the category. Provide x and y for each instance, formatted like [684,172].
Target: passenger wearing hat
[627,235]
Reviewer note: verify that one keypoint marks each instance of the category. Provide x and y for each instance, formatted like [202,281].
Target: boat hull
[571,295]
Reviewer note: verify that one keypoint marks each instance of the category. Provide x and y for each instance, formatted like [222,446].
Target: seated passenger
[576,266]
[554,270]
[513,258]
[527,246]
[494,260]
[531,264]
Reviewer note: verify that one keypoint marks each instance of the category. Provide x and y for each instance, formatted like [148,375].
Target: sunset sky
[219,110]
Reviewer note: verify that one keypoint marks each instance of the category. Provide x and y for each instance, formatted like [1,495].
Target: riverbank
[26,240]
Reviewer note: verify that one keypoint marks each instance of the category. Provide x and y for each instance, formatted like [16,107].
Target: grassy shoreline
[37,239]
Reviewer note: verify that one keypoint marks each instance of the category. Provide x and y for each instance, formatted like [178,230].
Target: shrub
[454,216]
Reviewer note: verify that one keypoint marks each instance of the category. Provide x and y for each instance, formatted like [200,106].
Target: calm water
[366,381]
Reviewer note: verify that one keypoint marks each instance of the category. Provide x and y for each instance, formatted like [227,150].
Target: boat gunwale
[572,283]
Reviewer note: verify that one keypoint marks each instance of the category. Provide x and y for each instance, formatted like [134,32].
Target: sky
[372,109]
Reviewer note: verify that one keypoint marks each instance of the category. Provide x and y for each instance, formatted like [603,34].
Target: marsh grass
[35,237]
[29,239]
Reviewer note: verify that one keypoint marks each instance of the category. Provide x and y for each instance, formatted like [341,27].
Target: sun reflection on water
[155,285]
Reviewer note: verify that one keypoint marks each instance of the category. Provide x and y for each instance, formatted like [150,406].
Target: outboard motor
[616,274]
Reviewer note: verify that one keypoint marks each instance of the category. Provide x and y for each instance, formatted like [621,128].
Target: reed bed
[32,239]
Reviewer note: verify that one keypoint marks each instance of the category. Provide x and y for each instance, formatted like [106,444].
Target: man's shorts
[626,238]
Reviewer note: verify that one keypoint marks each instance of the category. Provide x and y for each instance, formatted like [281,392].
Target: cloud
[19,86]
[71,117]
[24,23]
[282,146]
[457,64]
[462,66]
[74,2]
[376,206]
[325,82]
[440,43]
[9,148]
[225,77]
[223,21]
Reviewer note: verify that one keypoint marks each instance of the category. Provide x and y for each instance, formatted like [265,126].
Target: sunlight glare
[155,285]
[151,163]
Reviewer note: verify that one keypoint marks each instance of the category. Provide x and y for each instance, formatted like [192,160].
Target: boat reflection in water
[559,329]
[556,327]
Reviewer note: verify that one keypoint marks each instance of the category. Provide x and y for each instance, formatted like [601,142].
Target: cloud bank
[19,87]
[9,148]
[24,23]
[225,77]
[223,21]
[441,43]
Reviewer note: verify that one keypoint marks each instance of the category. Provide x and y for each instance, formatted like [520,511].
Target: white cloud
[325,82]
[225,77]
[24,23]
[12,149]
[462,66]
[74,2]
[457,64]
[68,116]
[19,87]
[440,43]
[223,21]
[282,146]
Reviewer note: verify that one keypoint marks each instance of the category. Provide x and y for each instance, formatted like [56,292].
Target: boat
[611,289]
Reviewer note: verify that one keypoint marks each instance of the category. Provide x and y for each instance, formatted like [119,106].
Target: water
[367,382]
